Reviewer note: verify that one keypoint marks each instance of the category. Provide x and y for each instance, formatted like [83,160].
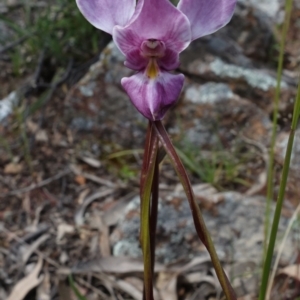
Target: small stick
[36,185]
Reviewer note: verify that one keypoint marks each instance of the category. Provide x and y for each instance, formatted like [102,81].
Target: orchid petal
[170,61]
[105,14]
[135,61]
[207,16]
[127,40]
[157,19]
[153,97]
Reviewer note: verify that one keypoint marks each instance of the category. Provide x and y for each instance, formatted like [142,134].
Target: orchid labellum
[151,34]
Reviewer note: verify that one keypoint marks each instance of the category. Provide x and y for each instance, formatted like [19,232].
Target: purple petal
[160,20]
[153,97]
[105,14]
[170,61]
[127,40]
[207,16]
[135,61]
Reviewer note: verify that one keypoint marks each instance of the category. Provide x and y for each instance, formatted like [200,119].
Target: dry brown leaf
[104,243]
[181,268]
[79,216]
[136,282]
[259,185]
[41,136]
[44,289]
[32,126]
[80,180]
[247,297]
[112,264]
[62,230]
[26,204]
[166,284]
[65,291]
[95,163]
[34,246]
[82,196]
[77,171]
[3,294]
[196,277]
[114,214]
[26,284]
[291,271]
[130,289]
[13,169]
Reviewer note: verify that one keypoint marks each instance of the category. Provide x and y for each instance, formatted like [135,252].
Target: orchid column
[151,34]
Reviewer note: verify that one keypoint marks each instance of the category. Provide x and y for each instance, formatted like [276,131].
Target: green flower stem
[154,211]
[284,176]
[196,213]
[270,176]
[148,185]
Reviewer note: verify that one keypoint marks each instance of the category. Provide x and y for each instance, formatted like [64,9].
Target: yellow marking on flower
[152,69]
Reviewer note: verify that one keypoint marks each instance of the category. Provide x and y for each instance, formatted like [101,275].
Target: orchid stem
[149,185]
[154,211]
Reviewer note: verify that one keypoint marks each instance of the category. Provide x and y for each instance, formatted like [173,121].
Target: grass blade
[284,177]
[270,175]
[75,289]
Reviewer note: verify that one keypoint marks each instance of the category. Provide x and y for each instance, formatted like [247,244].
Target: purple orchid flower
[151,34]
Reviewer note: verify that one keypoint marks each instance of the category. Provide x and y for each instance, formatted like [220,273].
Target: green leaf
[196,213]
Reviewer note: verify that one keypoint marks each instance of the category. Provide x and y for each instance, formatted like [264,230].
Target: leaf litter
[71,211]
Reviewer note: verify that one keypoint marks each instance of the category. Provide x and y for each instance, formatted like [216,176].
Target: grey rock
[208,93]
[281,146]
[7,104]
[222,114]
[255,78]
[88,89]
[82,123]
[236,226]
[272,8]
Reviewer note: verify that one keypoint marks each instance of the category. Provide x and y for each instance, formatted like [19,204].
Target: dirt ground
[71,148]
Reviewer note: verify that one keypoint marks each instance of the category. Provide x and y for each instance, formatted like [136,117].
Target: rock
[239,55]
[83,124]
[7,104]
[256,79]
[208,93]
[236,225]
[217,113]
[99,103]
[281,146]
[271,8]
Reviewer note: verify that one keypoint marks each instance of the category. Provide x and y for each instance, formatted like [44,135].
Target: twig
[100,194]
[94,289]
[39,67]
[262,178]
[36,185]
[36,251]
[95,178]
[53,88]
[15,43]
